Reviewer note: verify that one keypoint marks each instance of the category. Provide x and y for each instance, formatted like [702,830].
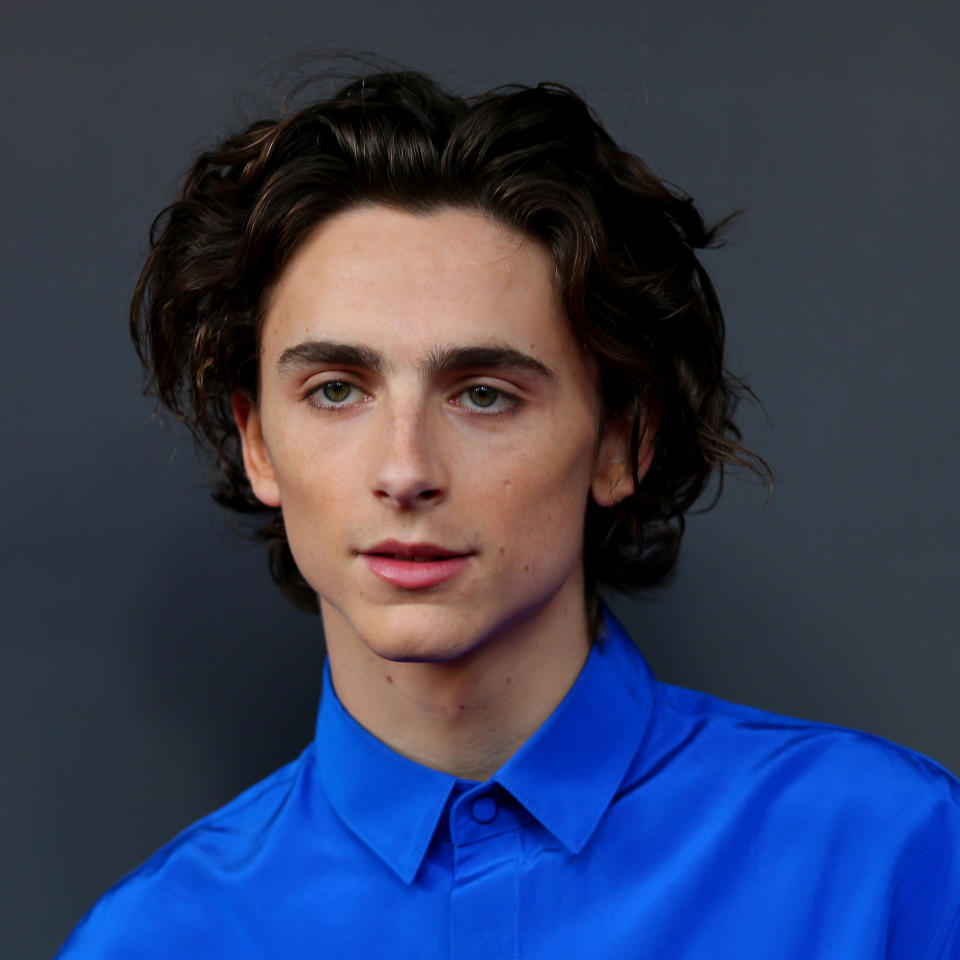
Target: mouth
[415,566]
[415,552]
[400,556]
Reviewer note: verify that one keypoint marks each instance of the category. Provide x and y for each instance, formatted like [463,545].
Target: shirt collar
[389,801]
[565,775]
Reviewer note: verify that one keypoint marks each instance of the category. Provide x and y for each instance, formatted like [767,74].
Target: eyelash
[511,401]
[315,393]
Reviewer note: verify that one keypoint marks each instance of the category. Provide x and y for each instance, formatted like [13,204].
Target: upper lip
[397,548]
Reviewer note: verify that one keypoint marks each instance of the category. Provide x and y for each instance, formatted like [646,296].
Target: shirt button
[484,809]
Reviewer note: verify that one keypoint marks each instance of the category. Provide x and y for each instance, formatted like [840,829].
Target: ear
[256,456]
[612,477]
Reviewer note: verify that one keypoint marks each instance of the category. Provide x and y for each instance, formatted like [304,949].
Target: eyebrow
[439,360]
[312,352]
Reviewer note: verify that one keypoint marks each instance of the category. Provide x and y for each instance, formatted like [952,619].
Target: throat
[457,727]
[451,698]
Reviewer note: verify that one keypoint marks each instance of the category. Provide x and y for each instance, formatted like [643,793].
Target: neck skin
[466,716]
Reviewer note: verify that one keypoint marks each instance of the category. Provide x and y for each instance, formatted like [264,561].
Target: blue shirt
[642,820]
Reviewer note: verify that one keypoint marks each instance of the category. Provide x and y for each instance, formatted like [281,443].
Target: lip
[394,562]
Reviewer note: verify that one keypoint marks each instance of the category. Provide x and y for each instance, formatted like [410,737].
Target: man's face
[420,385]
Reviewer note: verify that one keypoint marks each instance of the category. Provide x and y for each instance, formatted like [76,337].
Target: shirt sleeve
[926,904]
[153,914]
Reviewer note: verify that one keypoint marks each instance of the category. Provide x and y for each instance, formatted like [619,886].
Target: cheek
[539,501]
[314,484]
[304,478]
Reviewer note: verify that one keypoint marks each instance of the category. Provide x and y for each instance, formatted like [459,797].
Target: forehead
[411,282]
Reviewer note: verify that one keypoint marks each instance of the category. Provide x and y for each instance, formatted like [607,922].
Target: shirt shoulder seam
[241,802]
[718,705]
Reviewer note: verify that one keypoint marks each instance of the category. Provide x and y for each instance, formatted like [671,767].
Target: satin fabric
[641,821]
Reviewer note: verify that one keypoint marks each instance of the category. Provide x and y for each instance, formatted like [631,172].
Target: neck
[468,715]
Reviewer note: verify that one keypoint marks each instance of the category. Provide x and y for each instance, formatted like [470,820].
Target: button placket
[484,896]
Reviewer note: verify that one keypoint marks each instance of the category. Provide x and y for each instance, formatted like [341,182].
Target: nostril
[408,497]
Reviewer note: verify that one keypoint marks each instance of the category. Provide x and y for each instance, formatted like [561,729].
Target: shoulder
[167,906]
[840,801]
[839,765]
[806,746]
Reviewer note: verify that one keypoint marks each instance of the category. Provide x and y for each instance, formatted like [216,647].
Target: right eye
[336,394]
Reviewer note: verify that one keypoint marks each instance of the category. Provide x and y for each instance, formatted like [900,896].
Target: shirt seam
[212,818]
[800,724]
[517,828]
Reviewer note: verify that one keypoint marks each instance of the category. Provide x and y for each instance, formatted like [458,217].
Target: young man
[462,358]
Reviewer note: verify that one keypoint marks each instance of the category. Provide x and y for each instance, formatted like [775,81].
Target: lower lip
[415,574]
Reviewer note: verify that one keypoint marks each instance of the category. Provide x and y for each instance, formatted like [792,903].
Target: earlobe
[613,479]
[256,456]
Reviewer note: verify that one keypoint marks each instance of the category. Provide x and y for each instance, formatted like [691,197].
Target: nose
[407,469]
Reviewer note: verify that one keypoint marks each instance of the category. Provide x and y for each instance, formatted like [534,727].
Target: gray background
[149,670]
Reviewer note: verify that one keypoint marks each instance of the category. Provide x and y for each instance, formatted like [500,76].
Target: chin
[424,633]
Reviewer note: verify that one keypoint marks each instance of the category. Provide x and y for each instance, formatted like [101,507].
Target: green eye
[488,400]
[483,396]
[336,391]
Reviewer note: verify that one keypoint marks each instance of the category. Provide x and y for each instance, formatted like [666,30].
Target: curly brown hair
[537,160]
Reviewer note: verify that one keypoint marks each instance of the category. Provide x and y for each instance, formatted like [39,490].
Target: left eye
[489,399]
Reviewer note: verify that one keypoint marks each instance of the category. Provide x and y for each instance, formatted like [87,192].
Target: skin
[456,676]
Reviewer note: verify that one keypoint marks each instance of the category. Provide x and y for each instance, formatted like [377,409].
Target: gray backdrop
[149,669]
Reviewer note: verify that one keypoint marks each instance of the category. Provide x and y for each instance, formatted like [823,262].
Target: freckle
[526,567]
[389,678]
[509,679]
[501,551]
[461,706]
